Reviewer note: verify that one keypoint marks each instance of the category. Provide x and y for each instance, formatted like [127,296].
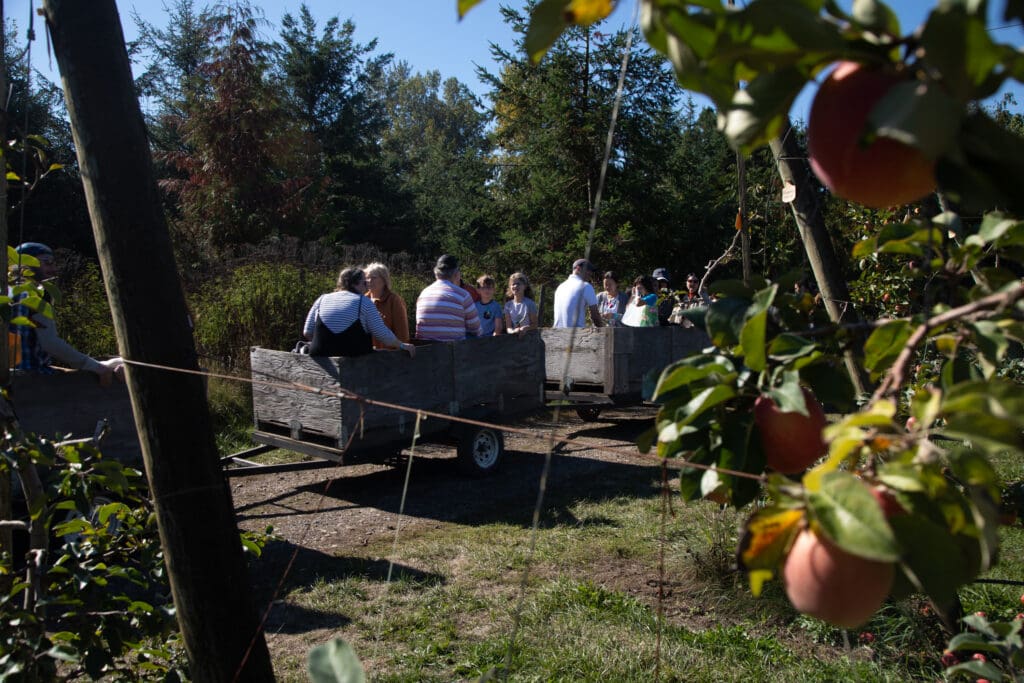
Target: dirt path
[333,509]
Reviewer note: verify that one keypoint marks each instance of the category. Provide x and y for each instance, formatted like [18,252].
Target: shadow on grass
[284,568]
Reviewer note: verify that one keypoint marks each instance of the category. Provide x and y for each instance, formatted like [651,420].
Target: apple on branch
[877,172]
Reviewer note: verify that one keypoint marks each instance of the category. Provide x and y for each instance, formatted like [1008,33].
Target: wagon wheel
[480,450]
[589,413]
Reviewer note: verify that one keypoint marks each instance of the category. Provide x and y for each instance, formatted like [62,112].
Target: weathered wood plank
[68,402]
[615,360]
[586,363]
[503,374]
[390,376]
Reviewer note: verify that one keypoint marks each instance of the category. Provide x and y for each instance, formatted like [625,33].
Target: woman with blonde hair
[389,304]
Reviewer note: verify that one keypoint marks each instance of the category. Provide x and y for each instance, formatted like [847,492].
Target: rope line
[345,394]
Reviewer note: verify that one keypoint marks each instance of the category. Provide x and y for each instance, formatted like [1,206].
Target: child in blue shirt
[489,310]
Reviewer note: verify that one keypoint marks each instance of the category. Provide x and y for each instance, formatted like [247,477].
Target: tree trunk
[198,531]
[811,224]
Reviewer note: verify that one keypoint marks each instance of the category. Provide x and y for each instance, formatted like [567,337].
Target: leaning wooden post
[813,234]
[6,502]
[202,549]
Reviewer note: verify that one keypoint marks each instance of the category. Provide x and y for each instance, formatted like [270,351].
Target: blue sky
[428,34]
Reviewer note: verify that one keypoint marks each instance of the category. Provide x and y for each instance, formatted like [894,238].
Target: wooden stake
[198,532]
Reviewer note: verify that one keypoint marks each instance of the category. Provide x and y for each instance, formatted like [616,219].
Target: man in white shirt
[576,296]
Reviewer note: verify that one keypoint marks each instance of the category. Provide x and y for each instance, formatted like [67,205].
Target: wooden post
[6,502]
[811,224]
[198,531]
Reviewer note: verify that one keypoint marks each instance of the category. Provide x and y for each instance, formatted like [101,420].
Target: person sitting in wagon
[345,322]
[389,304]
[664,291]
[444,310]
[33,348]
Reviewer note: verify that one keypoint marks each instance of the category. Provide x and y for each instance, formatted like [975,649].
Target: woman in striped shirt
[344,322]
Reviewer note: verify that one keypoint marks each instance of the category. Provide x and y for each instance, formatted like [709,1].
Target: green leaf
[334,662]
[884,345]
[919,115]
[752,339]
[972,642]
[931,556]
[974,668]
[788,347]
[995,225]
[547,21]
[725,321]
[704,401]
[832,385]
[789,396]
[757,112]
[850,516]
[696,369]
[741,451]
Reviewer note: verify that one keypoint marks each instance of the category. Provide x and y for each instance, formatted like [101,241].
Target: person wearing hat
[33,348]
[576,296]
[444,310]
[666,299]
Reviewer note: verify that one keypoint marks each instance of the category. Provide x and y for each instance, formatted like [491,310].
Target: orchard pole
[811,224]
[6,494]
[198,532]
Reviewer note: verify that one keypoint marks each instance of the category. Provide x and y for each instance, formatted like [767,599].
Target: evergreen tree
[552,120]
[436,149]
[333,87]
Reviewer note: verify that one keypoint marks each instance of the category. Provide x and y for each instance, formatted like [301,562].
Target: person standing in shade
[491,320]
[33,348]
[612,301]
[576,296]
[344,322]
[520,311]
[389,304]
[444,310]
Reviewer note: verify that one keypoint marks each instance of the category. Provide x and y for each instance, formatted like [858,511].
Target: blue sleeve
[650,299]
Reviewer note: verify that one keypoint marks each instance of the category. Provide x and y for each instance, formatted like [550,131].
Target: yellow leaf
[757,579]
[586,12]
[766,537]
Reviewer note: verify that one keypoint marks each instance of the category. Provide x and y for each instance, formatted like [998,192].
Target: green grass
[590,609]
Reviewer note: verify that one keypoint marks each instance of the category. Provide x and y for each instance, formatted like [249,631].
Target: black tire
[480,450]
[589,413]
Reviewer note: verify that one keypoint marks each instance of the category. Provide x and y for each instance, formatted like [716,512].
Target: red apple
[791,441]
[880,174]
[826,582]
[887,501]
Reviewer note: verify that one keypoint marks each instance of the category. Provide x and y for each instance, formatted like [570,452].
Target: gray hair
[381,271]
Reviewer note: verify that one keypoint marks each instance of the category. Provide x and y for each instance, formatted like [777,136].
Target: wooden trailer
[605,366]
[72,403]
[487,379]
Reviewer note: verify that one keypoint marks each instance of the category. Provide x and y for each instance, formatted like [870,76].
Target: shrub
[83,315]
[263,304]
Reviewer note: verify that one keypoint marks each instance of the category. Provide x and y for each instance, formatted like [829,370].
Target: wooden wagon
[73,403]
[591,368]
[296,402]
